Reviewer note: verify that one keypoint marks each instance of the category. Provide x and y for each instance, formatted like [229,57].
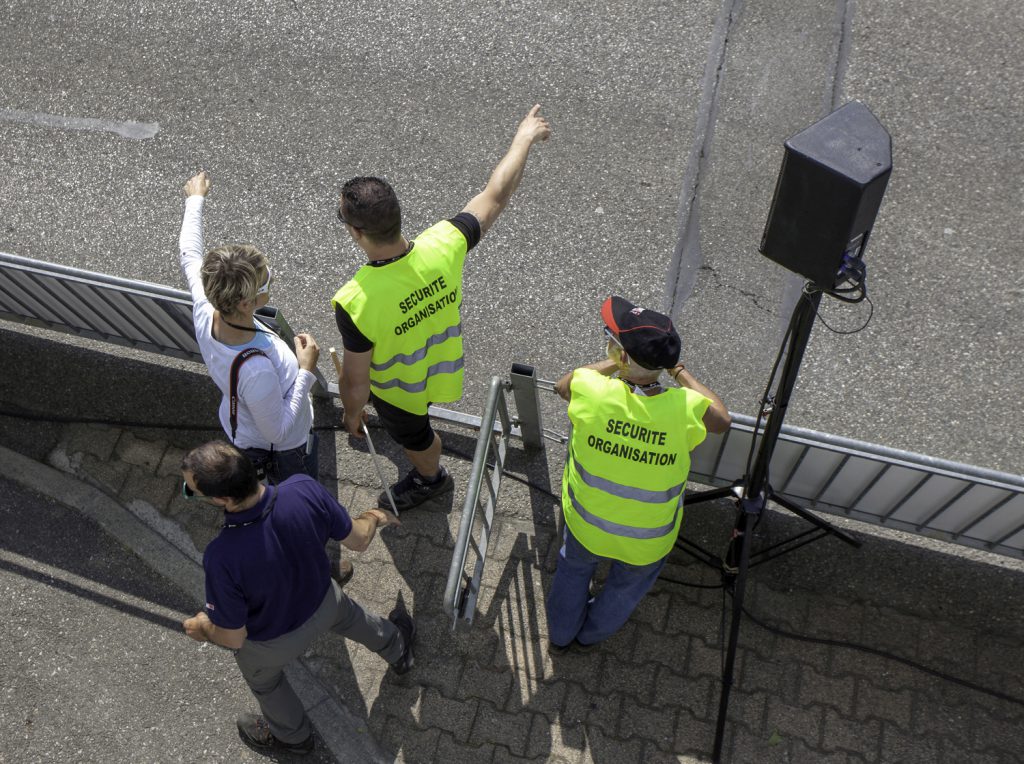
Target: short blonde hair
[232,273]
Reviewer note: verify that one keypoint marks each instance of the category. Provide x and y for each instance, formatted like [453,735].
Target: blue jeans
[573,614]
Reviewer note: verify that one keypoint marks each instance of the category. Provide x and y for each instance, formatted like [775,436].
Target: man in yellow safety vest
[625,471]
[399,315]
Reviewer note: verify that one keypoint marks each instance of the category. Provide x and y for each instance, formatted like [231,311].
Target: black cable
[998,694]
[861,328]
[721,631]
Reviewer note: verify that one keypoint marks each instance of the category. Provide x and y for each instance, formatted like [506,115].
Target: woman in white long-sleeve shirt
[274,415]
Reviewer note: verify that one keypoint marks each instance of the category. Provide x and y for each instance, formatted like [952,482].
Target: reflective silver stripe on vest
[617,529]
[419,355]
[445,367]
[625,491]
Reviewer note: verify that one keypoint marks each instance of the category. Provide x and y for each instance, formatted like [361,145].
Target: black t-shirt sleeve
[352,339]
[469,227]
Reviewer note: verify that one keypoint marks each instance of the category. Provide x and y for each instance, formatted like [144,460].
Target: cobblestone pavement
[650,694]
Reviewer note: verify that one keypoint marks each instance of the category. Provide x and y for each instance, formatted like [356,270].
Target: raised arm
[190,240]
[489,203]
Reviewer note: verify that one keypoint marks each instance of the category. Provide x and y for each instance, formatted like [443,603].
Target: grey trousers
[262,663]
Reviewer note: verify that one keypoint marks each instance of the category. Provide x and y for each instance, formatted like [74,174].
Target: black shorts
[411,431]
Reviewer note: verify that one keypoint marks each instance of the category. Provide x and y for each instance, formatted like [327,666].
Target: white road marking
[133,130]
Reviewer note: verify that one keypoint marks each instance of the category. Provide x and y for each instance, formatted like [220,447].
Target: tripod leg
[738,587]
[698,497]
[813,519]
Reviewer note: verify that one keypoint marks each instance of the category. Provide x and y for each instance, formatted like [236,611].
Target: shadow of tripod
[752,494]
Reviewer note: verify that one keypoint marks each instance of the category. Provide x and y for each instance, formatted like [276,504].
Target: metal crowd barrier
[897,489]
[135,314]
[939,499]
[462,589]
[495,429]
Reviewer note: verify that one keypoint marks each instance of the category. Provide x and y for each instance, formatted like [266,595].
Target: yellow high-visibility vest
[409,310]
[625,473]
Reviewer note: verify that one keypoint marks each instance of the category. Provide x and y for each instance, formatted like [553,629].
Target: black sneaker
[254,730]
[582,647]
[407,628]
[413,490]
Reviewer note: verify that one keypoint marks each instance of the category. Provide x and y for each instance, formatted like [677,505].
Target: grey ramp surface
[933,364]
[95,666]
[944,80]
[284,101]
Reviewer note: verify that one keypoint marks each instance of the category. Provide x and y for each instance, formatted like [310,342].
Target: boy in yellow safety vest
[625,471]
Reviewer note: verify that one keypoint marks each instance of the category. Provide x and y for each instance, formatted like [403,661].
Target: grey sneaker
[412,490]
[407,627]
[254,730]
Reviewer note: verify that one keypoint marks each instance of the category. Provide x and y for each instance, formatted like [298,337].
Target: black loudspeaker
[830,187]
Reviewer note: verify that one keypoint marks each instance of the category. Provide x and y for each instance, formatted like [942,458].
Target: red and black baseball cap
[647,336]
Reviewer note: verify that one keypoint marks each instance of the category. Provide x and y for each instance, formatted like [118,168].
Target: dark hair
[371,205]
[220,470]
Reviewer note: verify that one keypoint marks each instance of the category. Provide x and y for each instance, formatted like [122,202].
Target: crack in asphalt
[688,257]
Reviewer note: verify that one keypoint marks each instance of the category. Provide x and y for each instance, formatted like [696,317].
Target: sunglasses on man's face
[266,284]
[188,493]
[611,337]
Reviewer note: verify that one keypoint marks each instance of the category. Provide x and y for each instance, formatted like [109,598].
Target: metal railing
[135,314]
[462,589]
[897,489]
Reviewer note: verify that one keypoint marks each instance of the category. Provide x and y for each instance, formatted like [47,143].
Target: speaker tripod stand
[752,494]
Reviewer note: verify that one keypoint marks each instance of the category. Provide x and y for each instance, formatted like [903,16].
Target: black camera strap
[241,358]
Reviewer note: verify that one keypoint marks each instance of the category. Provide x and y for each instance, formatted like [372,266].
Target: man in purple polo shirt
[269,591]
